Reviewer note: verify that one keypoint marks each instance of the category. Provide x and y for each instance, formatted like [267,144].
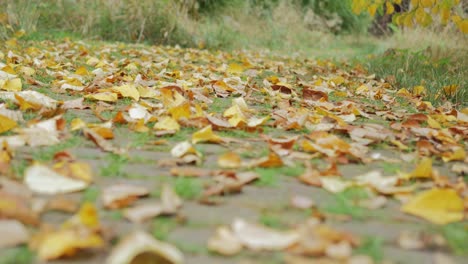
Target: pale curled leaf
[13,233]
[41,179]
[139,247]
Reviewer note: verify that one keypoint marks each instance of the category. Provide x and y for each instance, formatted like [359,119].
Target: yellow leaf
[450,90]
[77,124]
[81,71]
[235,68]
[139,126]
[180,111]
[28,71]
[439,206]
[423,169]
[419,90]
[167,123]
[127,90]
[390,8]
[403,92]
[433,123]
[67,242]
[20,33]
[6,124]
[372,9]
[88,215]
[229,160]
[13,85]
[463,26]
[104,96]
[205,135]
[427,3]
[25,105]
[458,154]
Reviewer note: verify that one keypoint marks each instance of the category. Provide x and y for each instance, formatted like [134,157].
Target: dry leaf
[229,160]
[224,242]
[257,237]
[13,233]
[140,247]
[206,135]
[439,206]
[121,195]
[41,179]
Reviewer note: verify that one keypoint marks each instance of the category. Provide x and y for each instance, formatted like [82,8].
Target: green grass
[268,177]
[189,248]
[259,151]
[271,220]
[238,133]
[293,171]
[18,255]
[456,235]
[219,105]
[162,227]
[345,203]
[114,166]
[140,139]
[422,68]
[18,167]
[91,194]
[47,153]
[373,247]
[390,168]
[188,187]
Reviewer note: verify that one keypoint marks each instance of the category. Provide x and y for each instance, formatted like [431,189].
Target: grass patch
[18,167]
[91,194]
[271,220]
[188,188]
[434,72]
[114,166]
[219,105]
[18,255]
[373,247]
[238,133]
[268,177]
[191,248]
[391,168]
[139,140]
[456,235]
[47,153]
[293,171]
[345,203]
[162,227]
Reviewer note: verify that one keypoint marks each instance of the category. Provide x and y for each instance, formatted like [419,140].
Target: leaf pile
[298,110]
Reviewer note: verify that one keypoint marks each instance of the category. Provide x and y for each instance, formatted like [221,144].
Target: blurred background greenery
[318,28]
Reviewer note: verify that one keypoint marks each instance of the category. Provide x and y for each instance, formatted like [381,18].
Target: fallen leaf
[410,241]
[168,124]
[205,135]
[224,242]
[104,96]
[439,206]
[79,232]
[41,179]
[6,124]
[101,142]
[423,169]
[127,90]
[169,204]
[229,160]
[140,247]
[258,237]
[121,195]
[13,233]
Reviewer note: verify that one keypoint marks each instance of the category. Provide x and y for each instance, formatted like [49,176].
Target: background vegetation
[320,28]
